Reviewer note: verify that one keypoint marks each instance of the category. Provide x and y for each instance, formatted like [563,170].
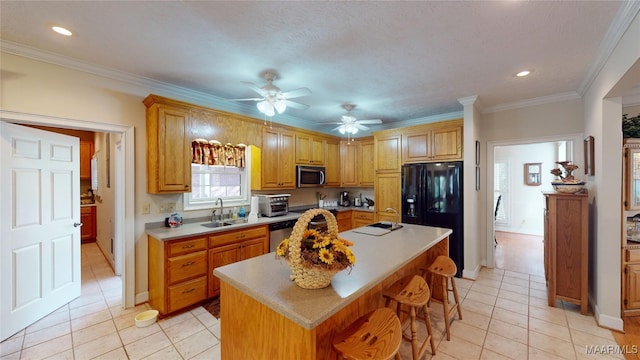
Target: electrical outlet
[146,208]
[171,207]
[162,208]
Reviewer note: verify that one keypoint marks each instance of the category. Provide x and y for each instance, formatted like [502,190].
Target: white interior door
[40,236]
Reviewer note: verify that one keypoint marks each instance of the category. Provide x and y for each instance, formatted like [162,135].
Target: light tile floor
[505,316]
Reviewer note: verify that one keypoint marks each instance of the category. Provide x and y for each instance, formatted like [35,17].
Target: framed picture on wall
[533,174]
[589,168]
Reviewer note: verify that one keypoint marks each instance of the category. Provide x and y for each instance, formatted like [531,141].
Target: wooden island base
[252,330]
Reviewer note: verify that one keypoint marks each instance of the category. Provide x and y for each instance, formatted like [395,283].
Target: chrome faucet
[213,215]
[221,208]
[393,211]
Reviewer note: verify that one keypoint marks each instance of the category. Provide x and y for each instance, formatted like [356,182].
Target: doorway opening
[515,227]
[124,235]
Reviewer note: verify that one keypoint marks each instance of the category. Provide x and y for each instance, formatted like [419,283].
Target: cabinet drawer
[343,215]
[633,255]
[238,235]
[363,215]
[187,246]
[187,293]
[187,266]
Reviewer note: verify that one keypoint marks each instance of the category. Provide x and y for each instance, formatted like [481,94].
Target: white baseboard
[142,298]
[471,274]
[609,322]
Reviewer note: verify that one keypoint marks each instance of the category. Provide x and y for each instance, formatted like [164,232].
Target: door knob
[77,224]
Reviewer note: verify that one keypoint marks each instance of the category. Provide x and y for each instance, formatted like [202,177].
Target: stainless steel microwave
[310,176]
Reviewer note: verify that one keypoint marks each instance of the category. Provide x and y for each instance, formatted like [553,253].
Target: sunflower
[326,256]
[283,247]
[321,242]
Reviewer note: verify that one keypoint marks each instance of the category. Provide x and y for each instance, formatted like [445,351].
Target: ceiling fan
[273,99]
[350,125]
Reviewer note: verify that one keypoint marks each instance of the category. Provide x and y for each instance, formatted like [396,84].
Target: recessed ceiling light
[62,31]
[523,73]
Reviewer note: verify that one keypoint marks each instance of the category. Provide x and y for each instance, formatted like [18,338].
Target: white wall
[523,204]
[603,112]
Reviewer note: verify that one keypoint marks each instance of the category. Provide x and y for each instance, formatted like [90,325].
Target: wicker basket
[309,276]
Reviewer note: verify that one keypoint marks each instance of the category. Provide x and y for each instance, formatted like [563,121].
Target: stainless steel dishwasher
[279,231]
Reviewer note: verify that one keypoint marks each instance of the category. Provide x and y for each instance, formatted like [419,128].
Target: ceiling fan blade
[296,93]
[361,127]
[253,87]
[336,128]
[247,99]
[296,105]
[370,121]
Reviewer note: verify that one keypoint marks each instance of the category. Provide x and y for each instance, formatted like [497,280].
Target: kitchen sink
[236,221]
[214,224]
[386,225]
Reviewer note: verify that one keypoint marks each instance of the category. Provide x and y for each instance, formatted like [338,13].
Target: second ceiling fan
[350,125]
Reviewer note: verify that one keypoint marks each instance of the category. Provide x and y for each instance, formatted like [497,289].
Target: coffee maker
[344,198]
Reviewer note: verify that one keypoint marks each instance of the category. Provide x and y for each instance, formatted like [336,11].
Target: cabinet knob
[188,263]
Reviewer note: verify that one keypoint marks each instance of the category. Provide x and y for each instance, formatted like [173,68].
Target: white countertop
[196,228]
[267,279]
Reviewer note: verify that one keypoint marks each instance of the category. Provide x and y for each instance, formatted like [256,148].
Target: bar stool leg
[455,296]
[414,334]
[445,305]
[427,320]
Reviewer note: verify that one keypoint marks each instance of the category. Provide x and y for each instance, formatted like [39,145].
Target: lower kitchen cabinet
[233,246]
[177,273]
[88,231]
[181,270]
[344,220]
[631,283]
[361,218]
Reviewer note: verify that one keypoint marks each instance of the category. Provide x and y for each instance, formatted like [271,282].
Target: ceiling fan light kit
[272,99]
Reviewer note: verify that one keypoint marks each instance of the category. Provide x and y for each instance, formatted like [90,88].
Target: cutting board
[371,231]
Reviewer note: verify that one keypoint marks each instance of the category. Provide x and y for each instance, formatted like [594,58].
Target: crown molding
[154,86]
[621,22]
[573,95]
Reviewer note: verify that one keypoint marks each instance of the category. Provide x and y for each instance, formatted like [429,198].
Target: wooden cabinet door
[333,164]
[220,256]
[387,194]
[86,152]
[447,143]
[270,161]
[344,220]
[310,150]
[632,274]
[387,153]
[88,220]
[278,159]
[303,149]
[366,170]
[416,147]
[631,174]
[253,248]
[348,164]
[168,150]
[287,168]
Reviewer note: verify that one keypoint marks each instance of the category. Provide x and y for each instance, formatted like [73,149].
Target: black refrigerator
[432,195]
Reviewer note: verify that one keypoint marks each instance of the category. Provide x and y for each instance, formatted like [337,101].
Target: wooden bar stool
[376,335]
[413,292]
[446,269]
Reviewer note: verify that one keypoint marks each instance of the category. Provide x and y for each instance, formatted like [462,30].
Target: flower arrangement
[315,257]
[320,249]
[566,172]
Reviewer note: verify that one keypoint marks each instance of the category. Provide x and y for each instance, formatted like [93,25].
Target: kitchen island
[266,315]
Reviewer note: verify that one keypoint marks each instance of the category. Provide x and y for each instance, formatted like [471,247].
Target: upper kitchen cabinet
[310,149]
[631,174]
[334,163]
[432,142]
[387,149]
[357,163]
[168,147]
[86,152]
[278,159]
